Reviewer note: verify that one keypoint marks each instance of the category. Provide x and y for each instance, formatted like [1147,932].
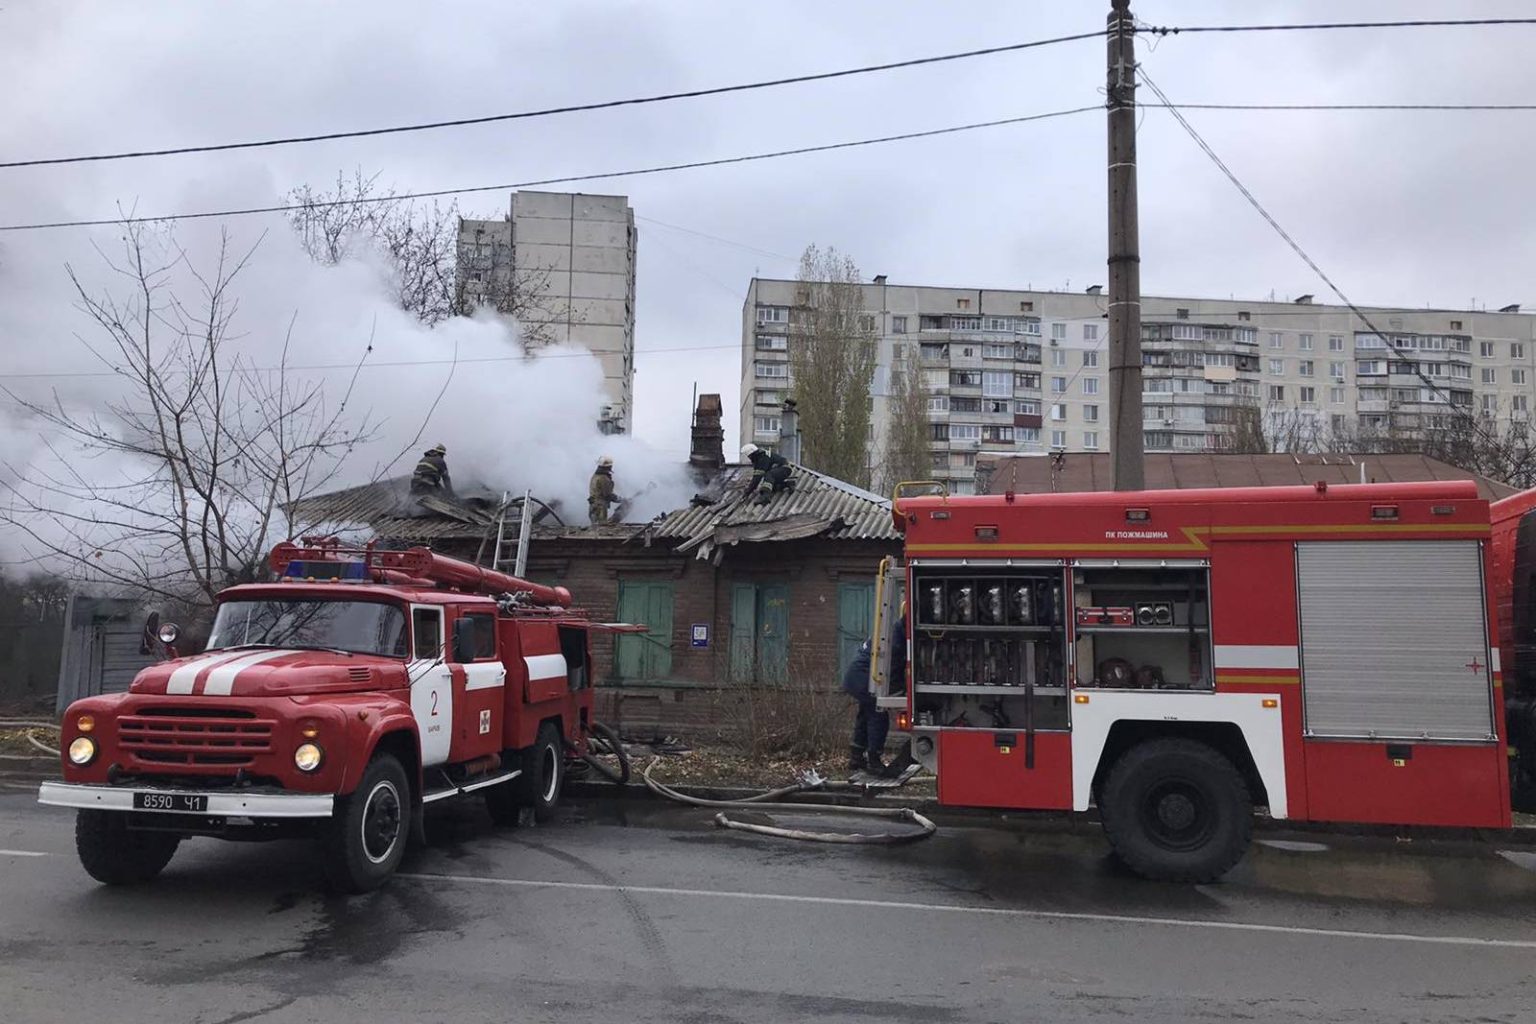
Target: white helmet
[605,461]
[749,450]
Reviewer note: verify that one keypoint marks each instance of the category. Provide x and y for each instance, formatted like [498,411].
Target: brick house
[735,593]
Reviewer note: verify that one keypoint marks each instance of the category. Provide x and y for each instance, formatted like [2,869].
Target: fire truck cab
[1177,658]
[336,702]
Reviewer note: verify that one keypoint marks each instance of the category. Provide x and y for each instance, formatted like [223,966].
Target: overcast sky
[1409,208]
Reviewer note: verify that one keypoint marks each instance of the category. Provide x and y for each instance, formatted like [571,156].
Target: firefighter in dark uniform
[870,723]
[600,492]
[431,476]
[770,472]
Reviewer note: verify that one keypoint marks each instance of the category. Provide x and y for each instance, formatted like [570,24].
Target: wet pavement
[640,912]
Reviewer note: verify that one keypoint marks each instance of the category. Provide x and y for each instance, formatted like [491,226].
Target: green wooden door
[773,633]
[645,655]
[855,621]
[743,632]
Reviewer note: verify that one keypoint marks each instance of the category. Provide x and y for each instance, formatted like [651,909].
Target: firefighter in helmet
[431,476]
[600,492]
[770,472]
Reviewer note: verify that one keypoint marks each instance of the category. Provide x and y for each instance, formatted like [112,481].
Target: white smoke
[508,421]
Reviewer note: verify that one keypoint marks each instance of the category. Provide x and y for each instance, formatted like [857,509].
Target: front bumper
[221,804]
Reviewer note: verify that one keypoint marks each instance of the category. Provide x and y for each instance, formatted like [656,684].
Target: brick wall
[695,700]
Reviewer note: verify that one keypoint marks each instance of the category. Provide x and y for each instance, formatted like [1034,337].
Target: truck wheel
[543,773]
[1176,810]
[363,842]
[114,854]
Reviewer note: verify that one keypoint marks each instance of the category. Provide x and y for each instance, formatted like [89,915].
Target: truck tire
[543,773]
[365,839]
[1176,810]
[114,854]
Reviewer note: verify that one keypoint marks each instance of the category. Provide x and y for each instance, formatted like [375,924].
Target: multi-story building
[1027,371]
[564,266]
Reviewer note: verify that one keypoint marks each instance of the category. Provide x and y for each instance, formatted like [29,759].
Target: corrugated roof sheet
[848,512]
[389,510]
[1168,471]
[819,506]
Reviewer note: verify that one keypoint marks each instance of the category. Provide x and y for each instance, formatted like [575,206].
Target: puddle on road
[1520,858]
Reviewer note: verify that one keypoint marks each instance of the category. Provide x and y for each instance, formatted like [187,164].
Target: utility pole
[1125,423]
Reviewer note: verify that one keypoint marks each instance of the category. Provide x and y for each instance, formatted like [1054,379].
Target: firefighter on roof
[770,472]
[431,476]
[600,492]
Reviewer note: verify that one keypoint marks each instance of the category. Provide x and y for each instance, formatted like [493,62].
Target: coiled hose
[770,801]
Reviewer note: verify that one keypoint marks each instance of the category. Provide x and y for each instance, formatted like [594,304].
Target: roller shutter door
[1393,640]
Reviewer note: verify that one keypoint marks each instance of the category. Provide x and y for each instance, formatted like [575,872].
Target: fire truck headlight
[307,757]
[82,751]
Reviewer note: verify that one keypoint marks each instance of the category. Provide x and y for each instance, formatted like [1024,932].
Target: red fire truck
[336,701]
[1177,658]
[1514,575]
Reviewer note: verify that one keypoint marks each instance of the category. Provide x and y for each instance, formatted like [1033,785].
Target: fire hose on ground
[25,725]
[771,801]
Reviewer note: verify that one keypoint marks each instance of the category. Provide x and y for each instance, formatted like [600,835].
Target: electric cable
[768,801]
[1173,30]
[1411,358]
[568,179]
[552,111]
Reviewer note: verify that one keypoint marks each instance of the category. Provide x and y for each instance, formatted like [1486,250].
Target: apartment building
[1016,372]
[570,260]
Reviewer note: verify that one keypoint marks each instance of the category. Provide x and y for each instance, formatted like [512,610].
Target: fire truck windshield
[355,627]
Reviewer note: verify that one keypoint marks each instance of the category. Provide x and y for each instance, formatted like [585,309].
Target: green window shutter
[645,655]
[855,621]
[659,640]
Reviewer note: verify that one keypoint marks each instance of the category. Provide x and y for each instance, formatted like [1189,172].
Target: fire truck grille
[195,737]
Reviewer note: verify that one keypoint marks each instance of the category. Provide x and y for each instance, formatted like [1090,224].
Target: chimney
[879,279]
[707,451]
[789,431]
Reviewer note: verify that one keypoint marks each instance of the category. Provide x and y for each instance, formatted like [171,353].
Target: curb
[1050,821]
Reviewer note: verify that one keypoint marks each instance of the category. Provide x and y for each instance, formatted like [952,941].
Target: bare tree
[435,276]
[1248,436]
[909,427]
[1483,444]
[174,488]
[832,358]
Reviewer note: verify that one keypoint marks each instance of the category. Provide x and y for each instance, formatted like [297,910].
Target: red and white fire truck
[336,701]
[1176,658]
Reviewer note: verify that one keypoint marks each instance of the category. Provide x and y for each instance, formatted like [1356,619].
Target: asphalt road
[632,913]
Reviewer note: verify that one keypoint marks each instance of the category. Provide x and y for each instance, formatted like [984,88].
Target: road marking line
[1044,915]
[21,853]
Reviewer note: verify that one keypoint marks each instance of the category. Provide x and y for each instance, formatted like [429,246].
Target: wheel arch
[1226,738]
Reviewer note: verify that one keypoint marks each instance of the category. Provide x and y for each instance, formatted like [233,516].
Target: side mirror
[463,640]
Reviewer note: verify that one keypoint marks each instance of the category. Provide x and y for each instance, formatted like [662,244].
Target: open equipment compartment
[990,646]
[1142,625]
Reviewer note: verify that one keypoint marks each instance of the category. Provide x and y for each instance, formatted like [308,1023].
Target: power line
[439,193]
[716,238]
[1411,358]
[1351,106]
[1167,30]
[552,111]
